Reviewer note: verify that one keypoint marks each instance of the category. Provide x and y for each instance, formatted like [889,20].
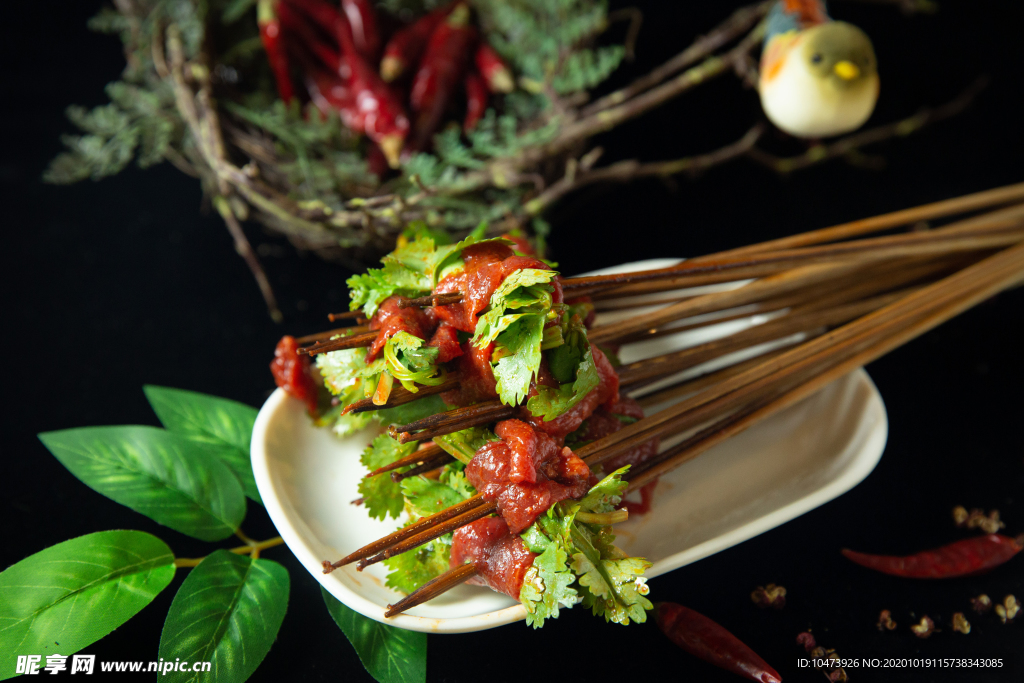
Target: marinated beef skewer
[940,303]
[768,376]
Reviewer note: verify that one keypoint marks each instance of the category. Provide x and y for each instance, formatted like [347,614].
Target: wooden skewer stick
[731,425]
[327,334]
[422,455]
[430,533]
[429,466]
[347,315]
[352,342]
[455,425]
[431,589]
[454,414]
[432,300]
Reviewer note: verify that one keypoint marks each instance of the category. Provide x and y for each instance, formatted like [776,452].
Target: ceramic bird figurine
[818,76]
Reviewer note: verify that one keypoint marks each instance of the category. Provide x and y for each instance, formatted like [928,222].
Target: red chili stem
[476,100]
[407,44]
[270,34]
[704,638]
[493,69]
[962,558]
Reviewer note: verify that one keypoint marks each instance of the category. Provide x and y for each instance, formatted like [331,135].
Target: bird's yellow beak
[846,70]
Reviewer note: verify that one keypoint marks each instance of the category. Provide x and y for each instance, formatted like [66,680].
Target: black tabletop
[132,280]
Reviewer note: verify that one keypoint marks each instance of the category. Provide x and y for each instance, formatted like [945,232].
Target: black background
[111,285]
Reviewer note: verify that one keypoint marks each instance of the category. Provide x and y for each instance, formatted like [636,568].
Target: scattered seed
[977,519]
[981,604]
[1009,610]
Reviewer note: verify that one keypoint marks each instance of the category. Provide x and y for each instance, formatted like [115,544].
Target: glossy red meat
[293,372]
[526,472]
[446,340]
[606,393]
[501,558]
[391,319]
[476,377]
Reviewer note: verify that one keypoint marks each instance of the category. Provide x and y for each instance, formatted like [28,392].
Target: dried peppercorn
[706,639]
[292,373]
[924,628]
[440,73]
[962,558]
[476,100]
[493,69]
[362,25]
[270,35]
[406,46]
[769,596]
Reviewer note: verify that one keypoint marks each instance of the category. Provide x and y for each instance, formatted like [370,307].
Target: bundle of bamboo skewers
[832,300]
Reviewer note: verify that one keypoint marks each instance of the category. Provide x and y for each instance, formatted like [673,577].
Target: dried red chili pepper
[270,34]
[962,558]
[704,638]
[406,47]
[303,39]
[476,100]
[440,73]
[493,69]
[362,20]
[293,374]
[323,14]
[378,112]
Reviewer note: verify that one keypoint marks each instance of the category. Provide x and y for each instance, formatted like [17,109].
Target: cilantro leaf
[524,291]
[381,495]
[550,403]
[412,411]
[519,350]
[427,496]
[606,494]
[412,569]
[547,586]
[614,588]
[341,368]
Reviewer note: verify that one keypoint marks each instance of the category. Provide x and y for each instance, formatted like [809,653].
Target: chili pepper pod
[320,12]
[962,558]
[492,68]
[293,373]
[302,39]
[378,112]
[476,100]
[362,22]
[704,638]
[407,44]
[270,34]
[440,72]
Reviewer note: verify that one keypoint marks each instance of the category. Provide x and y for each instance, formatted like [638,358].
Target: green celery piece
[382,496]
[168,478]
[464,444]
[78,591]
[389,654]
[521,359]
[228,611]
[224,425]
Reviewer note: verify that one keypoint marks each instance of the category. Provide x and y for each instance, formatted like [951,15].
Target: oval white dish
[797,460]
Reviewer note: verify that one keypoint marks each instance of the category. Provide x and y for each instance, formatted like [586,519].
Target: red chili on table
[476,100]
[493,69]
[962,558]
[407,44]
[292,372]
[270,34]
[704,638]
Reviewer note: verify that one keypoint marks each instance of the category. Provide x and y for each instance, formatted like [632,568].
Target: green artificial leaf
[520,356]
[464,444]
[224,425]
[227,612]
[70,595]
[550,403]
[162,475]
[390,655]
[381,495]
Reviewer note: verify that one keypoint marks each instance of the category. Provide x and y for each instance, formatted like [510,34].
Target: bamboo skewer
[354,341]
[1004,273]
[400,396]
[426,454]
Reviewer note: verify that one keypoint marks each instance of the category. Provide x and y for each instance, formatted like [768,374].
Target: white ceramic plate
[799,459]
